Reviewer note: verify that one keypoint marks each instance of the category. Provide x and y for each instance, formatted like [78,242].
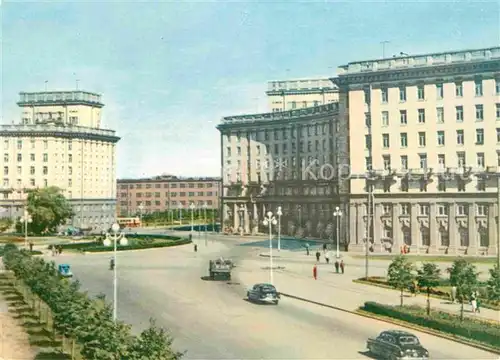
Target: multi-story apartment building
[59,142]
[283,159]
[426,131]
[301,93]
[164,193]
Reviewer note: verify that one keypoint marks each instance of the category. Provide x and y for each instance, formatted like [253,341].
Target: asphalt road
[211,320]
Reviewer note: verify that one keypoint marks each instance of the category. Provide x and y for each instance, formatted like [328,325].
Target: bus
[129,222]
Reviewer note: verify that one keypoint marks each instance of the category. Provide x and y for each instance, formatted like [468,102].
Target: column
[353,225]
[256,219]
[360,223]
[452,229]
[246,222]
[377,228]
[397,239]
[415,232]
[236,218]
[472,228]
[433,230]
[492,229]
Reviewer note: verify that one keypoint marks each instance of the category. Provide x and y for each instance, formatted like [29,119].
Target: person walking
[307,249]
[327,257]
[324,248]
[478,305]
[453,294]
[342,265]
[315,272]
[318,255]
[473,303]
[337,265]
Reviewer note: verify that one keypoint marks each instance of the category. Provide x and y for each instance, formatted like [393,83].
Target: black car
[397,345]
[263,293]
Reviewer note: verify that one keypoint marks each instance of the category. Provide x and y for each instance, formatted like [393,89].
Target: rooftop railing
[68,129]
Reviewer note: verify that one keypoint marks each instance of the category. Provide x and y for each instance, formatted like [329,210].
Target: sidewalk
[336,289]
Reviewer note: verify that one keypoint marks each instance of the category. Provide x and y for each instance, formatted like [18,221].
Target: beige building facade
[286,95]
[59,142]
[426,132]
[166,193]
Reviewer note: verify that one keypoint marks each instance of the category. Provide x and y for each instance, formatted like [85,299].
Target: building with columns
[425,130]
[283,159]
[59,141]
[286,95]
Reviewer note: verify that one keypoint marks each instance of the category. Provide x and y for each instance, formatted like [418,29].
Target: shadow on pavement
[367,354]
[258,303]
[208,278]
[53,355]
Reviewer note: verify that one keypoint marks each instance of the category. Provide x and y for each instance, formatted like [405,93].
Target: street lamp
[338,214]
[141,208]
[180,213]
[114,237]
[192,207]
[213,221]
[26,219]
[205,220]
[270,220]
[241,210]
[279,213]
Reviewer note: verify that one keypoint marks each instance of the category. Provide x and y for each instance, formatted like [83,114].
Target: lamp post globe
[279,213]
[115,228]
[338,215]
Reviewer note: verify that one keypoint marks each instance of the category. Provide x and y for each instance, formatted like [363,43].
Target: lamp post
[205,220]
[114,237]
[300,216]
[213,221]
[338,214]
[26,219]
[241,210]
[270,220]
[180,214]
[141,209]
[279,213]
[192,207]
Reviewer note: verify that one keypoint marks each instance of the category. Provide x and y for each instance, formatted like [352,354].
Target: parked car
[397,345]
[65,270]
[264,293]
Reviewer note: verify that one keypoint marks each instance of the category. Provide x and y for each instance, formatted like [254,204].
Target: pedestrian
[453,294]
[315,272]
[324,248]
[318,255]
[31,246]
[59,249]
[195,247]
[478,305]
[473,303]
[307,249]
[337,265]
[327,258]
[342,265]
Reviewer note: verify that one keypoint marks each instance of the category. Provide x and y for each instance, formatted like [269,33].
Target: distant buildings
[420,133]
[164,193]
[59,142]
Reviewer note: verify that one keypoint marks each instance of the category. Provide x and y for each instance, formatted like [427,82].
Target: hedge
[153,236]
[483,332]
[102,248]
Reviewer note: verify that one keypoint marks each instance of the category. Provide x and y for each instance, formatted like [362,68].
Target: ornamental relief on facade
[404,221]
[442,224]
[424,222]
[387,223]
[461,222]
[482,224]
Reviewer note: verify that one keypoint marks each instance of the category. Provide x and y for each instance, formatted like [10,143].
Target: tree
[428,276]
[463,276]
[5,224]
[493,284]
[153,343]
[48,209]
[400,274]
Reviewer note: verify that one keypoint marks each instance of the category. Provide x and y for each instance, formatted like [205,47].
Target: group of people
[339,265]
[474,300]
[56,249]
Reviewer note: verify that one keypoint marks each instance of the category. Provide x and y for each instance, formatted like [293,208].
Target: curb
[399,323]
[126,251]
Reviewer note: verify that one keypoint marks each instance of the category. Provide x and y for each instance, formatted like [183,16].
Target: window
[439,91]
[45,144]
[424,209]
[385,118]
[442,209]
[478,87]
[46,183]
[479,113]
[402,93]
[19,170]
[462,209]
[440,138]
[405,209]
[460,137]
[32,182]
[383,95]
[420,92]
[497,112]
[482,209]
[497,86]
[368,141]
[421,116]
[402,117]
[440,115]
[479,137]
[238,150]
[385,141]
[461,159]
[70,158]
[32,170]
[304,104]
[423,161]
[19,157]
[480,160]
[45,157]
[70,170]
[459,89]
[19,144]
[404,139]
[421,138]
[459,111]
[32,157]
[294,104]
[404,162]
[498,135]
[387,162]
[45,170]
[6,170]
[368,163]
[441,161]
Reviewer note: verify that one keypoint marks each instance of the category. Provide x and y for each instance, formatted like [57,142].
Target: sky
[169,71]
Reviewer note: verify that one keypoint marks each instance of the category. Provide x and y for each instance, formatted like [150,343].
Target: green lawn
[429,258]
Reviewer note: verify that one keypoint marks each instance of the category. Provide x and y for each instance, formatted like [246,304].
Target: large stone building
[165,193]
[419,133]
[59,142]
[300,93]
[426,129]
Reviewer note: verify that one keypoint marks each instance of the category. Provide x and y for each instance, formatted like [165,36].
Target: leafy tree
[48,209]
[5,224]
[463,276]
[428,276]
[493,284]
[400,274]
[154,343]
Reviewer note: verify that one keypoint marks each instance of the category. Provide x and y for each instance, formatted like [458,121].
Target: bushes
[137,246]
[481,331]
[80,319]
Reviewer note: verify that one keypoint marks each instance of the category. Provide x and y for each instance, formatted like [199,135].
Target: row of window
[172,194]
[284,133]
[422,138]
[283,148]
[167,185]
[421,115]
[442,209]
[32,170]
[20,144]
[172,203]
[420,93]
[45,157]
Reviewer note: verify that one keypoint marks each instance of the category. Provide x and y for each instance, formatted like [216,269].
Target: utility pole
[383,47]
[369,226]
